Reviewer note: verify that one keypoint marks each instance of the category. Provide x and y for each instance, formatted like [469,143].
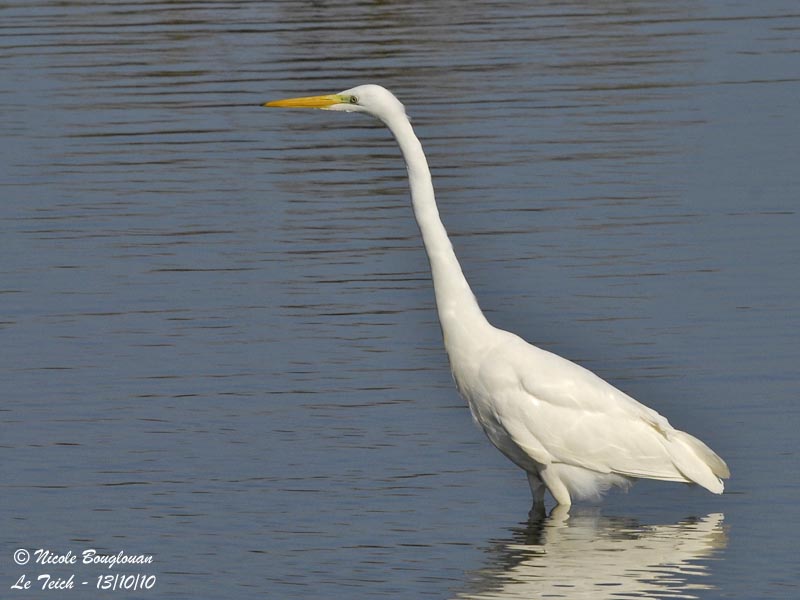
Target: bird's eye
[353,99]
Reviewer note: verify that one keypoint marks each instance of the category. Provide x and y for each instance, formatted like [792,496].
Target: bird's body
[573,433]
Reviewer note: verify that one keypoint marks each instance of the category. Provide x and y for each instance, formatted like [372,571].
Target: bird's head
[371,99]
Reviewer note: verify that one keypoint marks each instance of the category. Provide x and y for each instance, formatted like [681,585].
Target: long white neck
[459,314]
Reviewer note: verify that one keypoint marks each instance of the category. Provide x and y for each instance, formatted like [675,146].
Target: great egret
[573,433]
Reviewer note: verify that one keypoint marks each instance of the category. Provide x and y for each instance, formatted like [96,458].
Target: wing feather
[558,411]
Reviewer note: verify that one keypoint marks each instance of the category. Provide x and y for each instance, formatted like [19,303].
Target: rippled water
[220,347]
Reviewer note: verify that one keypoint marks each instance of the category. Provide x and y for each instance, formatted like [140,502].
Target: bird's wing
[567,414]
[567,385]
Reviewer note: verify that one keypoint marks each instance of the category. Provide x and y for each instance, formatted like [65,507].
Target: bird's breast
[483,389]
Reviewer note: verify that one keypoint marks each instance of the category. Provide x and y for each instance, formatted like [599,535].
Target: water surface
[220,346]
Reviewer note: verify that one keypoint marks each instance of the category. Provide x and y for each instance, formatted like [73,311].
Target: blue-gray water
[219,345]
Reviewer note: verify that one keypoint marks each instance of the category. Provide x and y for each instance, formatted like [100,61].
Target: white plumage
[573,433]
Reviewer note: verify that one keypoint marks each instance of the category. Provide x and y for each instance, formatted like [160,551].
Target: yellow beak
[308,102]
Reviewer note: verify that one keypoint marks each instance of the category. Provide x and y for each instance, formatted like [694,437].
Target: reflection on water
[583,554]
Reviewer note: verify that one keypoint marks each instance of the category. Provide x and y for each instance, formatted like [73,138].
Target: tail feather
[711,458]
[697,462]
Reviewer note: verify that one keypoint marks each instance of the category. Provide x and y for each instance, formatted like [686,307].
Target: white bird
[573,433]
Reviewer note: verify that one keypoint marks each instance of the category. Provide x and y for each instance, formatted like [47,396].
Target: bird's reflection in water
[586,555]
